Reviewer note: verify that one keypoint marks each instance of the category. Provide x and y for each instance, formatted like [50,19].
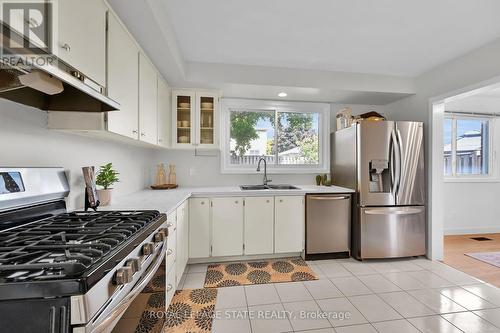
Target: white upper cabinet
[289,224]
[148,101]
[206,117]
[227,226]
[259,225]
[183,115]
[195,119]
[123,80]
[81,37]
[164,113]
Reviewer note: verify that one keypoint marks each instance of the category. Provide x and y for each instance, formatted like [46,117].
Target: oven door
[106,319]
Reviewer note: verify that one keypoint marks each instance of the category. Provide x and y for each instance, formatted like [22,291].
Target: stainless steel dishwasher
[328,226]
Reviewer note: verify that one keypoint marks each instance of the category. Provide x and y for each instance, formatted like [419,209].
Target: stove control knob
[133,263]
[165,231]
[148,249]
[123,275]
[160,236]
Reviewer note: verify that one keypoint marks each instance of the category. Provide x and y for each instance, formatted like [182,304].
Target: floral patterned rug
[258,272]
[191,310]
[153,316]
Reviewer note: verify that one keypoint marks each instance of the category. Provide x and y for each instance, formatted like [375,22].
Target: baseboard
[475,230]
[242,258]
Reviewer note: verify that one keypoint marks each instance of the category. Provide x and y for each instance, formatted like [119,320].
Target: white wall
[203,168]
[25,142]
[477,66]
[473,207]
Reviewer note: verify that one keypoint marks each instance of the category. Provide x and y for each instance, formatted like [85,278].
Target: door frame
[435,246]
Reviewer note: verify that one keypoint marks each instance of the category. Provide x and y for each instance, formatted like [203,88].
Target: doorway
[465,181]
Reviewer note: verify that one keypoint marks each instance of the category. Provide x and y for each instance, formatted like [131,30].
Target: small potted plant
[106,178]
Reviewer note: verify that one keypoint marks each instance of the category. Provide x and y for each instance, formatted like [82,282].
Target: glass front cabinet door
[184,106]
[206,106]
[195,119]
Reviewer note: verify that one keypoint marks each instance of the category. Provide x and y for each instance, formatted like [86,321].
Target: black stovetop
[76,248]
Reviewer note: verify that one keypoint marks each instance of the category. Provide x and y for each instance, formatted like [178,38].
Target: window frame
[492,175]
[323,111]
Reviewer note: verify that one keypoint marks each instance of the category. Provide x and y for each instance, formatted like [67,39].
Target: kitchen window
[293,137]
[468,147]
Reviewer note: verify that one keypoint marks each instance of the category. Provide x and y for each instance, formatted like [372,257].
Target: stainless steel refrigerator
[384,162]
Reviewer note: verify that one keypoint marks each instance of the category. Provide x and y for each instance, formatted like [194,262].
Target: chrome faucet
[265,180]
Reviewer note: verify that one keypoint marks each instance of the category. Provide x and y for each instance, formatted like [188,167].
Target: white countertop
[166,201]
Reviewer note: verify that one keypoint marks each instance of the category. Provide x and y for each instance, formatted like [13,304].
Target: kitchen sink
[283,187]
[253,187]
[268,187]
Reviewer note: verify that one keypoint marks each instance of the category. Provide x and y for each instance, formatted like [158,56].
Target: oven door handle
[101,325]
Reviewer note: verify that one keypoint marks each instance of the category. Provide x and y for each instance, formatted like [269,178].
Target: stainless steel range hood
[76,95]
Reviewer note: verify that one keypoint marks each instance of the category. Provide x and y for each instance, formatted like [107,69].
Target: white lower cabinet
[227,227]
[199,228]
[182,240]
[259,225]
[171,285]
[235,226]
[289,224]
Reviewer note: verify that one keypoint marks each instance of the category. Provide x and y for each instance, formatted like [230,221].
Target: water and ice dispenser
[380,178]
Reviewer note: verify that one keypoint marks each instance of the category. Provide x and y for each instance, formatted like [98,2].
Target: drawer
[171,250]
[171,285]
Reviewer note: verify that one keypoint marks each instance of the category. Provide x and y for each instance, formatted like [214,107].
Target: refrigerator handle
[409,211]
[395,176]
[401,157]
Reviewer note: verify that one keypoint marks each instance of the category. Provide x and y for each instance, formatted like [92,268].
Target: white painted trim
[467,231]
[227,104]
[240,258]
[435,243]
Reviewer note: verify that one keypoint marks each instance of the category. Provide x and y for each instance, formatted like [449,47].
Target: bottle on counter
[161,175]
[172,176]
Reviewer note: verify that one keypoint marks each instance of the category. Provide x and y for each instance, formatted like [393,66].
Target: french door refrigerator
[384,162]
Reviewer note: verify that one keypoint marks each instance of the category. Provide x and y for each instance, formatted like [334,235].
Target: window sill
[274,171]
[486,179]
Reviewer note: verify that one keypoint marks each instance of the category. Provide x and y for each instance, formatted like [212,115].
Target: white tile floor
[415,295]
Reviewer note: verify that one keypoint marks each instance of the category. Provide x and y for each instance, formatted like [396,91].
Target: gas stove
[78,245]
[88,265]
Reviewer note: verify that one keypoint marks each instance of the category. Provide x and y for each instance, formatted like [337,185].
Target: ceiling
[356,51]
[483,100]
[392,37]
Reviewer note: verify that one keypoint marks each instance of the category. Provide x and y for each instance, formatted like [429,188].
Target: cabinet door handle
[135,131]
[203,202]
[143,134]
[66,47]
[169,224]
[267,201]
[169,252]
[236,202]
[281,200]
[169,287]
